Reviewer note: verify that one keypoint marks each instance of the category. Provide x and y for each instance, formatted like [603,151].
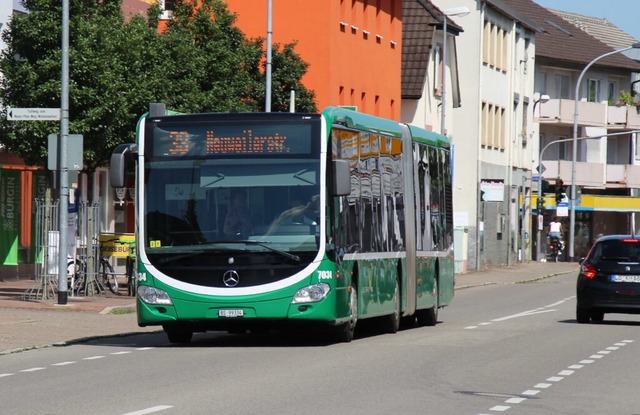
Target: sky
[623,13]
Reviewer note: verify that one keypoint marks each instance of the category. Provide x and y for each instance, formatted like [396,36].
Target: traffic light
[560,191]
[545,186]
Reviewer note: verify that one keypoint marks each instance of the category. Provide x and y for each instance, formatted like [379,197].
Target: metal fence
[83,251]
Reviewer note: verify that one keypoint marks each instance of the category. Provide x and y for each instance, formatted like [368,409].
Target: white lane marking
[33,369]
[546,309]
[524,314]
[562,375]
[586,361]
[596,356]
[62,363]
[151,410]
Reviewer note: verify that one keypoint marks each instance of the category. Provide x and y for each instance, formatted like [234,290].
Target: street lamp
[572,215]
[543,98]
[267,104]
[454,11]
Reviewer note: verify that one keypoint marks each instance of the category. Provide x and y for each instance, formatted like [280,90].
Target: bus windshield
[231,186]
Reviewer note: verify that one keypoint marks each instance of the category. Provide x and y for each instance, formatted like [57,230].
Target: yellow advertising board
[116,244]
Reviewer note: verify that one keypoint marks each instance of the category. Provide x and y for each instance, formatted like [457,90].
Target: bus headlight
[152,295]
[311,294]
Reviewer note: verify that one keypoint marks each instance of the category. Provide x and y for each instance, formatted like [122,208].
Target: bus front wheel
[347,330]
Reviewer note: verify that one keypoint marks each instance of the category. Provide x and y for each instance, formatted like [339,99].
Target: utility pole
[63,182]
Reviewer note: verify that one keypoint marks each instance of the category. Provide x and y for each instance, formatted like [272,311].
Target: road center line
[151,410]
[524,314]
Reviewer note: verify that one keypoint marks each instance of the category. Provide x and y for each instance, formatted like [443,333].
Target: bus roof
[365,122]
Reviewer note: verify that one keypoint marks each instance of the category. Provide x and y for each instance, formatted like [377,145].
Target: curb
[120,309]
[524,281]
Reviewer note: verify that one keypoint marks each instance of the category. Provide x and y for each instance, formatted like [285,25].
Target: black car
[609,279]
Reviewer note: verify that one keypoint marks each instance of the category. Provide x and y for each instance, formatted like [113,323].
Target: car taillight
[630,241]
[588,270]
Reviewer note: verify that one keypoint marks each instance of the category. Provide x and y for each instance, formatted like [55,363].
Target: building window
[437,70]
[593,93]
[562,148]
[167,7]
[563,86]
[495,46]
[613,92]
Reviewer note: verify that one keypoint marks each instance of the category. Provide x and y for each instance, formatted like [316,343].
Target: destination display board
[230,139]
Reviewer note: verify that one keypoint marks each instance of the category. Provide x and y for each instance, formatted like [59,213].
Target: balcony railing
[561,111]
[594,174]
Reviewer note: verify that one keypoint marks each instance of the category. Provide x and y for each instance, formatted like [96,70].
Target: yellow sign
[116,245]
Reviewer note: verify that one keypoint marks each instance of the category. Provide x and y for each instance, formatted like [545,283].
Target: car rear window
[616,250]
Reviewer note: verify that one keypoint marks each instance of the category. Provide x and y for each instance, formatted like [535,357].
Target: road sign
[562,209]
[74,152]
[33,114]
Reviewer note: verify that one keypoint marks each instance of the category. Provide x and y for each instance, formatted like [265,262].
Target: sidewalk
[33,324]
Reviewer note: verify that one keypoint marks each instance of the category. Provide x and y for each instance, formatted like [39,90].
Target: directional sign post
[33,114]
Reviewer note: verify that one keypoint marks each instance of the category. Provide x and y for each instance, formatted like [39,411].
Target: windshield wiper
[263,244]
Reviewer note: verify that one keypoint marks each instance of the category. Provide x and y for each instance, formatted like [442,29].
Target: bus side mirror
[121,162]
[341,178]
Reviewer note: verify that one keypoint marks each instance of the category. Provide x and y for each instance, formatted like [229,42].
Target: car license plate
[625,278]
[231,313]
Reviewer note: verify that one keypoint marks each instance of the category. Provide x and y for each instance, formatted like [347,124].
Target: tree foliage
[200,62]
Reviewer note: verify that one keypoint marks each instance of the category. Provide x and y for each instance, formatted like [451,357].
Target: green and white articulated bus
[349,218]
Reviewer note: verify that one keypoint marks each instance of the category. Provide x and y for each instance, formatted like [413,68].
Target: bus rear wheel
[429,317]
[393,320]
[178,334]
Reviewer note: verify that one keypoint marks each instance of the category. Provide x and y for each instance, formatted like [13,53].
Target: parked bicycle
[107,271]
[77,275]
[107,277]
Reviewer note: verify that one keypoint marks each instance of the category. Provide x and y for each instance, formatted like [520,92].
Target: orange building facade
[353,47]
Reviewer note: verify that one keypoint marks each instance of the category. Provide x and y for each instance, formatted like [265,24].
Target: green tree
[199,62]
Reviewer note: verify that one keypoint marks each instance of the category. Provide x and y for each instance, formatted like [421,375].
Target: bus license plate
[230,313]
